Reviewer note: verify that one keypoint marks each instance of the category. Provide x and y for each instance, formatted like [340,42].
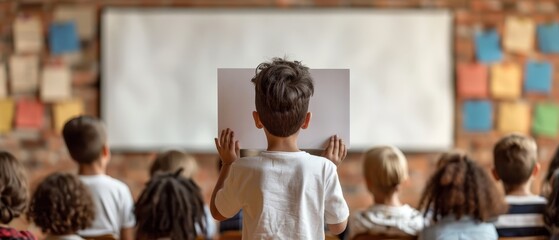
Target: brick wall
[43,152]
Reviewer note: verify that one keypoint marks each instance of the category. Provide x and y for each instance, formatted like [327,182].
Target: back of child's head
[282,92]
[384,169]
[172,161]
[460,187]
[553,166]
[514,158]
[62,205]
[551,214]
[85,138]
[170,206]
[13,188]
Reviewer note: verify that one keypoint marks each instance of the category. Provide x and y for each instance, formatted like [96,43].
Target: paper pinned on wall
[514,117]
[24,73]
[65,110]
[506,81]
[548,37]
[30,114]
[28,34]
[7,116]
[538,76]
[3,81]
[519,35]
[477,116]
[488,48]
[63,38]
[56,83]
[472,80]
[546,120]
[83,16]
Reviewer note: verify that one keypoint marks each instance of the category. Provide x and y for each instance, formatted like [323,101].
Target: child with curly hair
[13,197]
[461,200]
[61,206]
[551,214]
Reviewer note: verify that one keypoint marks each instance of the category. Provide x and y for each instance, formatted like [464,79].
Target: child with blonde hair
[384,169]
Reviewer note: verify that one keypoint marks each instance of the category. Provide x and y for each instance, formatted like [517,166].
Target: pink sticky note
[472,80]
[30,114]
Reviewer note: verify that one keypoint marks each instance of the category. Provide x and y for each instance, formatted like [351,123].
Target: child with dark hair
[170,207]
[285,193]
[551,169]
[13,197]
[551,215]
[61,206]
[86,140]
[461,200]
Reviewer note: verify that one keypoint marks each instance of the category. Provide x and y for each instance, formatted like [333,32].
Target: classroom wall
[43,151]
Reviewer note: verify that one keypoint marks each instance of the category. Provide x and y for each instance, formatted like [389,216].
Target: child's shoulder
[103,181]
[525,200]
[301,157]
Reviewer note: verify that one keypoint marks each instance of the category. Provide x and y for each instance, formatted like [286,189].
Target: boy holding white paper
[284,193]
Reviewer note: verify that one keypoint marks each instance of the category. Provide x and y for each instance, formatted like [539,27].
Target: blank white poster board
[329,107]
[159,70]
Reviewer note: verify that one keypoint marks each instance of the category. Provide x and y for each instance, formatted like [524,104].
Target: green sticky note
[546,120]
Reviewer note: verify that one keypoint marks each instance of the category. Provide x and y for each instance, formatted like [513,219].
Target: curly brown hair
[460,188]
[13,188]
[62,205]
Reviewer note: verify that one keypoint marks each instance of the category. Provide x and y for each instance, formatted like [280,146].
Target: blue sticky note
[488,48]
[548,38]
[63,38]
[477,116]
[538,76]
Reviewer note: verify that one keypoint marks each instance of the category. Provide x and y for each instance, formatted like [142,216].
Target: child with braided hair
[170,207]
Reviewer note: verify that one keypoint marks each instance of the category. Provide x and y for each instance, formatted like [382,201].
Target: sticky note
[546,120]
[488,48]
[538,76]
[514,117]
[6,116]
[63,38]
[519,34]
[477,116]
[29,114]
[83,16]
[56,83]
[3,81]
[506,81]
[24,73]
[28,34]
[64,111]
[548,37]
[472,80]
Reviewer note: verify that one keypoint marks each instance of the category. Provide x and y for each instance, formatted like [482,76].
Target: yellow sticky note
[56,83]
[3,81]
[63,111]
[28,34]
[519,35]
[24,73]
[506,81]
[514,117]
[6,115]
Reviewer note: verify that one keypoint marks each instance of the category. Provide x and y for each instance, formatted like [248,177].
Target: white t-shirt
[113,206]
[389,220]
[283,195]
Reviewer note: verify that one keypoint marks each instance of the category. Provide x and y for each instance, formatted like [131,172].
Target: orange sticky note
[6,115]
[506,81]
[514,117]
[30,114]
[472,80]
[519,34]
[64,111]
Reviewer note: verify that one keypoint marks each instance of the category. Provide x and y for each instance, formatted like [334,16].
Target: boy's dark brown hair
[13,188]
[62,205]
[282,92]
[85,137]
[173,160]
[514,158]
[461,188]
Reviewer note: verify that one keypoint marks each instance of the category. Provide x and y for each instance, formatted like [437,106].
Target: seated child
[86,141]
[13,190]
[461,200]
[551,169]
[385,168]
[170,207]
[61,206]
[551,214]
[172,161]
[285,193]
[516,164]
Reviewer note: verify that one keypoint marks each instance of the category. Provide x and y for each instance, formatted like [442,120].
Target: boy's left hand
[336,150]
[227,146]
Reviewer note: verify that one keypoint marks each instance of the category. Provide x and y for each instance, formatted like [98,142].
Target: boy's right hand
[336,150]
[227,147]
